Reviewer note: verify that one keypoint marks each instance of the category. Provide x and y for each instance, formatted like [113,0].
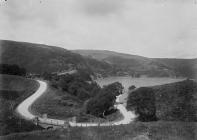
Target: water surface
[138,82]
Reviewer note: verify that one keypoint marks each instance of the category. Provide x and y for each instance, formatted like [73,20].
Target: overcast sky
[152,28]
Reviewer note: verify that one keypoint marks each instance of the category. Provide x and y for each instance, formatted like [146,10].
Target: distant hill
[181,67]
[143,65]
[103,54]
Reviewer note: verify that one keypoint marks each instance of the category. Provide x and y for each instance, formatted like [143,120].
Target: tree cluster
[12,70]
[100,104]
[76,85]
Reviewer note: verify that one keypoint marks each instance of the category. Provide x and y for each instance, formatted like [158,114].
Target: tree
[115,88]
[104,100]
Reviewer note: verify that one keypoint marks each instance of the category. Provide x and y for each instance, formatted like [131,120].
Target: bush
[143,102]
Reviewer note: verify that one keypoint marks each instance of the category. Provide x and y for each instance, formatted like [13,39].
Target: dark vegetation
[104,100]
[77,95]
[170,102]
[13,90]
[143,102]
[12,70]
[135,131]
[76,85]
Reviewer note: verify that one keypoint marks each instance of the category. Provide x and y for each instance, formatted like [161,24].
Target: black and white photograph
[98,69]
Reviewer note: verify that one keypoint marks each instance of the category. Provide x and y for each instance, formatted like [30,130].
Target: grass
[173,102]
[134,131]
[13,90]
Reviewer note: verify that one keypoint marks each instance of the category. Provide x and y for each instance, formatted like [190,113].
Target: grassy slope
[153,131]
[175,101]
[13,90]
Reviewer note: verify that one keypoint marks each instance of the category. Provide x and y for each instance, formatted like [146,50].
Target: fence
[66,124]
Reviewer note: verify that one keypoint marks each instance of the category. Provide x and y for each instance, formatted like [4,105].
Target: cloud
[100,7]
[19,12]
[148,28]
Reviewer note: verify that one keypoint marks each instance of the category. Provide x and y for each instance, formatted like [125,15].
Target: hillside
[38,58]
[169,102]
[182,67]
[103,54]
[13,90]
[129,64]
[133,64]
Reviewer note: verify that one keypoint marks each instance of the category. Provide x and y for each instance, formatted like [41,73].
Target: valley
[92,87]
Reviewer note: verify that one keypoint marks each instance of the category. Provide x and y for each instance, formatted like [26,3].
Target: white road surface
[24,110]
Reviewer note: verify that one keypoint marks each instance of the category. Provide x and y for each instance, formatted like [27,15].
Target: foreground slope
[134,131]
[169,102]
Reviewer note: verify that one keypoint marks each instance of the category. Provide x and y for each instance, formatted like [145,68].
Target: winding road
[24,109]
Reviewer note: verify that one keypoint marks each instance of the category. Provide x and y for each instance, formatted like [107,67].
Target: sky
[151,28]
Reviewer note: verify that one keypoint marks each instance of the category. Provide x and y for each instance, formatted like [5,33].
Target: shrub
[143,102]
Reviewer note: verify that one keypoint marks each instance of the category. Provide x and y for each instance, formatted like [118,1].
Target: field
[13,90]
[134,131]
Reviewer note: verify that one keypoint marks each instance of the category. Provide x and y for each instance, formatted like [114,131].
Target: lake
[138,82]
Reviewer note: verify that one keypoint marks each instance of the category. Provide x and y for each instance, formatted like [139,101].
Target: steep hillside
[37,58]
